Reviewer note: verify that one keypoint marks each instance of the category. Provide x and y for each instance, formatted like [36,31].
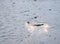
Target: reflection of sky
[32,28]
[45,27]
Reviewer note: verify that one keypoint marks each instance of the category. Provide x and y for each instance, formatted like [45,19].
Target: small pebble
[49,35]
[13,2]
[35,17]
[28,22]
[55,38]
[35,0]
[50,9]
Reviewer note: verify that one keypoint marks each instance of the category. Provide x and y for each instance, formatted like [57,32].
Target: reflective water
[14,14]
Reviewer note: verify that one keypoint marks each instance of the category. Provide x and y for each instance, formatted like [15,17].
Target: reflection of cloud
[45,27]
[30,27]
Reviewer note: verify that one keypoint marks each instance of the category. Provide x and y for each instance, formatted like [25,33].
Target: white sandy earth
[14,15]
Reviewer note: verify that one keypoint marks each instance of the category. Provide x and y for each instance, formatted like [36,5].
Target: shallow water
[15,13]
